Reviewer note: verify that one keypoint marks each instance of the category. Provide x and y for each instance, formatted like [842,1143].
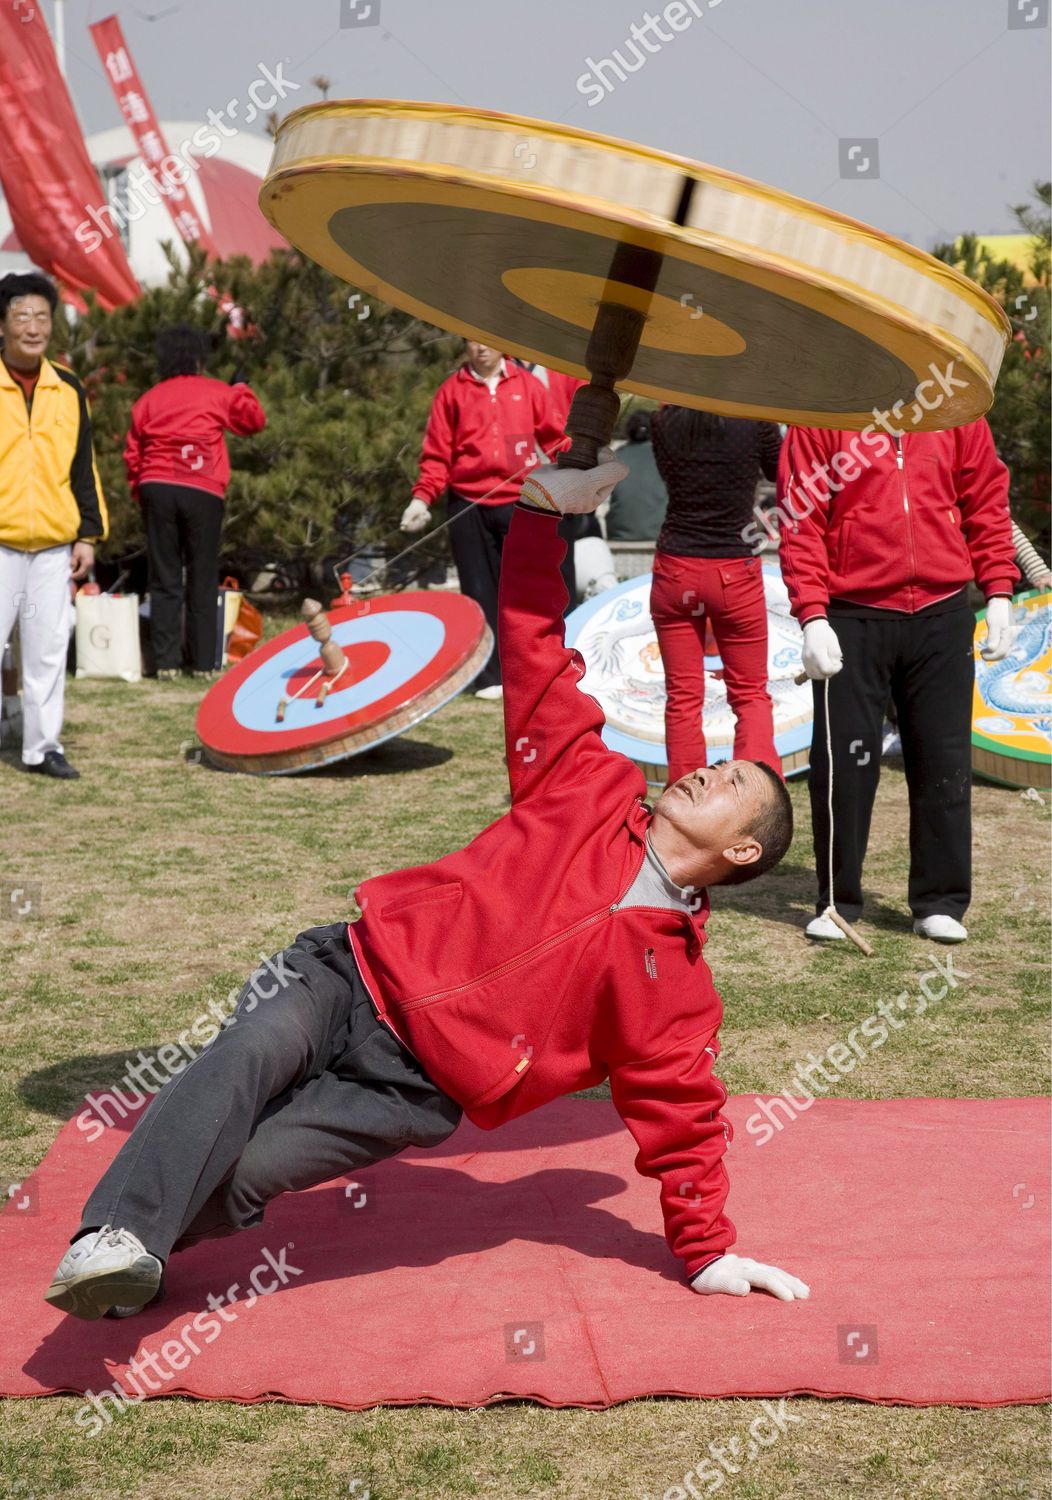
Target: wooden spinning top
[334,663]
[644,270]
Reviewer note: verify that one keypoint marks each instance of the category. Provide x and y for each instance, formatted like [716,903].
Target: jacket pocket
[844,542]
[449,890]
[943,558]
[497,1090]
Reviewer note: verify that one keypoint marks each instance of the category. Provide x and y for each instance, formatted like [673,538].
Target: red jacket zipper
[900,459]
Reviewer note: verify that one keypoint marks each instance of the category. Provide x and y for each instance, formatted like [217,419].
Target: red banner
[51,187]
[169,173]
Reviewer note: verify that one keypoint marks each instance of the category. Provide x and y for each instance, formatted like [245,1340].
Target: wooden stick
[848,931]
[611,352]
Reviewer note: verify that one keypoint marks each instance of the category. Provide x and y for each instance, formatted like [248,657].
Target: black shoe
[54,764]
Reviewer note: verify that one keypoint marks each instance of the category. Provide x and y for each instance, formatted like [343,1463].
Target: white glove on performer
[416,516]
[821,653]
[736,1276]
[571,492]
[999,631]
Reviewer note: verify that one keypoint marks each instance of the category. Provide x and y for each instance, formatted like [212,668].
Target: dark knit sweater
[712,485]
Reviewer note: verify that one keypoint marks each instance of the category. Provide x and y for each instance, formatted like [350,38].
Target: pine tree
[346,384]
[1019,416]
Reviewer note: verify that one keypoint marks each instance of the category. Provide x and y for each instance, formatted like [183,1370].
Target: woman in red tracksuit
[178,468]
[704,568]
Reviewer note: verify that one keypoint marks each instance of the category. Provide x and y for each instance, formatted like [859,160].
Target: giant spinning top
[645,271]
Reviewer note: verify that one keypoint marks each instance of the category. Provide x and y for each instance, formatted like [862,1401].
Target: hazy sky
[955,92]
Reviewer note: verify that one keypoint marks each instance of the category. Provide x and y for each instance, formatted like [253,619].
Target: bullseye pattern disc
[513,231]
[406,655]
[1012,702]
[624,673]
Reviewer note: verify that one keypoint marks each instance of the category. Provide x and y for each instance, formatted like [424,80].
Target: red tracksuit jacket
[909,523]
[480,445]
[177,432]
[507,968]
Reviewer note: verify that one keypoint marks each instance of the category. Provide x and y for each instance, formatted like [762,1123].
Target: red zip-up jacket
[481,445]
[177,432]
[892,523]
[508,969]
[561,391]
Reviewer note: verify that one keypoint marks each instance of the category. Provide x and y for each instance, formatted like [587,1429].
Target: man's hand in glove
[821,653]
[737,1276]
[416,516]
[572,492]
[999,630]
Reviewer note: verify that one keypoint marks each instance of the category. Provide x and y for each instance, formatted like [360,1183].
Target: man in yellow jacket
[52,509]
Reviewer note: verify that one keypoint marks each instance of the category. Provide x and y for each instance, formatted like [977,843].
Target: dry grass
[161,883]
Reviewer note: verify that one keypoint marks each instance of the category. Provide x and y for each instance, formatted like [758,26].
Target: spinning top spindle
[317,622]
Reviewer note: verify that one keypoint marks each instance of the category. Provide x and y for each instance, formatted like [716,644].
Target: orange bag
[247,628]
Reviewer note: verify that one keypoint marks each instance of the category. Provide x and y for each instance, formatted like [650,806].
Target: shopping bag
[239,624]
[108,636]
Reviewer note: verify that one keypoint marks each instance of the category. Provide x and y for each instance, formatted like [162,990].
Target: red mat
[529,1262]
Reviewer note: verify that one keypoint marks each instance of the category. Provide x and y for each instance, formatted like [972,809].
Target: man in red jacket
[487,421]
[561,947]
[881,534]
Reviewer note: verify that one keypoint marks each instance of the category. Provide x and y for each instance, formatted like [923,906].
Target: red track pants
[729,591]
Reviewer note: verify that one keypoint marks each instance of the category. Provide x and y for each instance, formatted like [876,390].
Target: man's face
[714,805]
[482,359]
[27,331]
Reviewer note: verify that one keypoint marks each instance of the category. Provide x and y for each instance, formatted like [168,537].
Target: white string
[829,754]
[432,531]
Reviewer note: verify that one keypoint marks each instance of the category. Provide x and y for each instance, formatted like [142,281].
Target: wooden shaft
[848,931]
[317,622]
[611,351]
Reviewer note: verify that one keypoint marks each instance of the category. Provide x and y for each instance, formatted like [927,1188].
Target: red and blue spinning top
[343,681]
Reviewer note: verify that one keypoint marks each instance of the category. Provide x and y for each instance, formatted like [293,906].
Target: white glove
[416,516]
[736,1275]
[571,492]
[821,653]
[999,630]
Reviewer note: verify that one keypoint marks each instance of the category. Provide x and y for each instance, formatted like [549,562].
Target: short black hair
[772,828]
[181,350]
[26,284]
[637,428]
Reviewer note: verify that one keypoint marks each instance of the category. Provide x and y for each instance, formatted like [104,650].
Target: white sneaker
[940,928]
[823,929]
[105,1268]
[491,694]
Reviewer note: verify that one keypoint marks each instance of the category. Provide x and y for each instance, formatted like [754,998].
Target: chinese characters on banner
[169,173]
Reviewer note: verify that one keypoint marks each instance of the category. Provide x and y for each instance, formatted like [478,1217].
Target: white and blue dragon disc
[624,673]
[1012,703]
[407,654]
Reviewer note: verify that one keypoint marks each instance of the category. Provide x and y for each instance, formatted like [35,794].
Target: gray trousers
[300,1086]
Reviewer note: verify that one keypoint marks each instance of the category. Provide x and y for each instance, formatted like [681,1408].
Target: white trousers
[34,593]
